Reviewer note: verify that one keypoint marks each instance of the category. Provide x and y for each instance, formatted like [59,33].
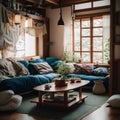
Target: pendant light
[60,21]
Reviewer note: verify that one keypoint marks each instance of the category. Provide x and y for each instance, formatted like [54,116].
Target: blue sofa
[26,83]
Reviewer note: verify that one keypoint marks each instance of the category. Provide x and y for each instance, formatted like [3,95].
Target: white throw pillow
[5,96]
[114,101]
[13,104]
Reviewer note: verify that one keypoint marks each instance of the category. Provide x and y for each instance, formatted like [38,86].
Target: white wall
[57,32]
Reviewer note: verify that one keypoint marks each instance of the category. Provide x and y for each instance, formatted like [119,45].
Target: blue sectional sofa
[26,83]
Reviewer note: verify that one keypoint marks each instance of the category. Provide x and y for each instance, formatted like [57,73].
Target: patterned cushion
[83,68]
[42,67]
[80,70]
[100,71]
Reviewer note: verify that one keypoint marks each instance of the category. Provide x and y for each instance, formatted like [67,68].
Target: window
[91,36]
[26,45]
[92,4]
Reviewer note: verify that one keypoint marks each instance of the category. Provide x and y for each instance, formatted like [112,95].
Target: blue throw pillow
[36,60]
[54,64]
[51,59]
[24,62]
[32,70]
[100,71]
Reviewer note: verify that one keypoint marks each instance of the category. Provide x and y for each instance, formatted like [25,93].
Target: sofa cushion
[51,59]
[100,71]
[42,67]
[36,60]
[80,70]
[23,83]
[6,68]
[91,78]
[114,101]
[32,70]
[24,62]
[54,64]
[13,104]
[51,76]
[5,96]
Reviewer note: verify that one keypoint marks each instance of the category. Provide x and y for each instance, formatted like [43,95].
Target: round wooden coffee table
[66,100]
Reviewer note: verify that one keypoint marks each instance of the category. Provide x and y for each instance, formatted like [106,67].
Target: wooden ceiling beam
[53,2]
[72,2]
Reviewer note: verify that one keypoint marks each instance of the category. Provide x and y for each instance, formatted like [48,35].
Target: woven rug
[92,102]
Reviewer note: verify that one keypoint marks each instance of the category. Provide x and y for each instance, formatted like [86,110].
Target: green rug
[76,112]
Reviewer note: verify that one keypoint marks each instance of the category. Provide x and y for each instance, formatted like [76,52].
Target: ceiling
[38,7]
[47,3]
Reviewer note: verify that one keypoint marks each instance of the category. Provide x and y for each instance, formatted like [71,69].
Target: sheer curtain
[68,37]
[106,37]
[106,27]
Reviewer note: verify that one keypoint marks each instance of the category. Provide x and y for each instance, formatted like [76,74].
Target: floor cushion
[114,101]
[5,96]
[13,104]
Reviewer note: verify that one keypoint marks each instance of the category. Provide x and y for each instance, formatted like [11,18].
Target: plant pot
[60,83]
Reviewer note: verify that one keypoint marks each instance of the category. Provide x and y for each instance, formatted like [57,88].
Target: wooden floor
[104,113]
[18,116]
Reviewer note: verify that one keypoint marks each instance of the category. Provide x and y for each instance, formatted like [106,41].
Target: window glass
[26,46]
[97,44]
[85,23]
[20,53]
[97,22]
[85,57]
[77,54]
[97,31]
[93,43]
[97,57]
[82,6]
[30,43]
[20,43]
[77,35]
[101,3]
[85,32]
[86,44]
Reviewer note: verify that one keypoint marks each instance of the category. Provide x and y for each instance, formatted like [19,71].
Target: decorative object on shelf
[28,21]
[74,80]
[47,87]
[60,21]
[98,87]
[17,19]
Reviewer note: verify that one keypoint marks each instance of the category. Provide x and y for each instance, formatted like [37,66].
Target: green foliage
[70,57]
[107,51]
[63,69]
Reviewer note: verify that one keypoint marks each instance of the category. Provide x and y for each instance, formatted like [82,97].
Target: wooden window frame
[91,38]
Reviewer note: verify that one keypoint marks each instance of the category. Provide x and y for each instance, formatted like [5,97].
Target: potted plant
[63,69]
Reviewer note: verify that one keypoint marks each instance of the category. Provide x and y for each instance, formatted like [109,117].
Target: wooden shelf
[35,17]
[75,100]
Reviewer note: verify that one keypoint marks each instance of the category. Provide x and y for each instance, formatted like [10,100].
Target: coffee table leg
[40,98]
[80,93]
[51,95]
[65,97]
